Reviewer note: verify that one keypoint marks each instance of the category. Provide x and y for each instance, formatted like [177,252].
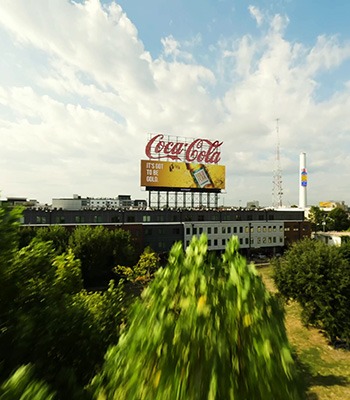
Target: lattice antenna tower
[277,191]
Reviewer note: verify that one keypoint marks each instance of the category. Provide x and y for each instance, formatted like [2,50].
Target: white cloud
[79,93]
[256,14]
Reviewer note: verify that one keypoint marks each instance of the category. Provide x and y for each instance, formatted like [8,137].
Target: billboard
[182,175]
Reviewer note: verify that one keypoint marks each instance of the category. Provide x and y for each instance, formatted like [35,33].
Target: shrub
[205,328]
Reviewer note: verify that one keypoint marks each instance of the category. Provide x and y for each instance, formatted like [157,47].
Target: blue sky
[83,83]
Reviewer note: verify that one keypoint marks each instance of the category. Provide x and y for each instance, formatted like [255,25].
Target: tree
[205,328]
[317,217]
[58,234]
[144,270]
[338,220]
[318,277]
[99,250]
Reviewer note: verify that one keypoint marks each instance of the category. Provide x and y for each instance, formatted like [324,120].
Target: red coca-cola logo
[202,151]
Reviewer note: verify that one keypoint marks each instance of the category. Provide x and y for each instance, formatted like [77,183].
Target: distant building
[333,238]
[329,205]
[253,204]
[83,203]
[19,201]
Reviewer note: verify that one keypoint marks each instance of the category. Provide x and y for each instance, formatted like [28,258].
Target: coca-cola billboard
[201,151]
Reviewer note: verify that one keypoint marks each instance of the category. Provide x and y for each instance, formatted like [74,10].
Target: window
[274,239]
[130,218]
[269,240]
[215,242]
[200,230]
[188,231]
[215,230]
[60,220]
[79,219]
[146,218]
[223,242]
[264,239]
[223,230]
[209,230]
[258,240]
[241,229]
[264,228]
[115,219]
[97,218]
[246,229]
[240,241]
[270,228]
[194,230]
[228,229]
[187,243]
[274,228]
[235,229]
[209,242]
[246,241]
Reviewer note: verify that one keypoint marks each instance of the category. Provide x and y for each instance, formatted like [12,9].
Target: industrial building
[259,230]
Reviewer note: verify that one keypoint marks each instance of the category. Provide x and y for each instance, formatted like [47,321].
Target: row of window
[234,229]
[259,240]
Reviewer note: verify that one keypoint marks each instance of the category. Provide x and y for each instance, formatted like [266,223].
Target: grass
[326,370]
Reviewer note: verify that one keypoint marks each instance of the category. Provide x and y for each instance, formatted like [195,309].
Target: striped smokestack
[302,181]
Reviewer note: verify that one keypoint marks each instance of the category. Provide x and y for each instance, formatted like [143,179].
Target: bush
[205,328]
[318,277]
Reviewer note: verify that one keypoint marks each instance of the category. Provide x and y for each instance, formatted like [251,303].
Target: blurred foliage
[318,277]
[22,385]
[205,328]
[144,270]
[99,250]
[47,319]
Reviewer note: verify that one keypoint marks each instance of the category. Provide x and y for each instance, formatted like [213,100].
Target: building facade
[263,230]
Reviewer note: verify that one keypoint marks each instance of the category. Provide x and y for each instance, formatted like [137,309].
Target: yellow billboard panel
[182,175]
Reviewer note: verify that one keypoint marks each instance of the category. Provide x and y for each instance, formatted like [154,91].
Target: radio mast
[277,190]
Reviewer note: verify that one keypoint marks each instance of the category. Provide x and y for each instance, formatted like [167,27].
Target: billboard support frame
[170,199]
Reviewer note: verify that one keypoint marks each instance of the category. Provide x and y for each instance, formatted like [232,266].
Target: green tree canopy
[318,277]
[99,250]
[317,217]
[338,220]
[205,328]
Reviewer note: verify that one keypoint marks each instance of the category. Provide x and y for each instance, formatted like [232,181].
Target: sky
[84,83]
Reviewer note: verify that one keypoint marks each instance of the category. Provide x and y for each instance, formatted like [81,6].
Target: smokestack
[303,181]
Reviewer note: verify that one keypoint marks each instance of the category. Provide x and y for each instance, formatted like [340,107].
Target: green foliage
[317,217]
[22,385]
[205,328]
[57,234]
[318,277]
[47,320]
[9,223]
[144,270]
[338,220]
[99,250]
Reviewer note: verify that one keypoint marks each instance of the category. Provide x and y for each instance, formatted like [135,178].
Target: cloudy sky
[83,83]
